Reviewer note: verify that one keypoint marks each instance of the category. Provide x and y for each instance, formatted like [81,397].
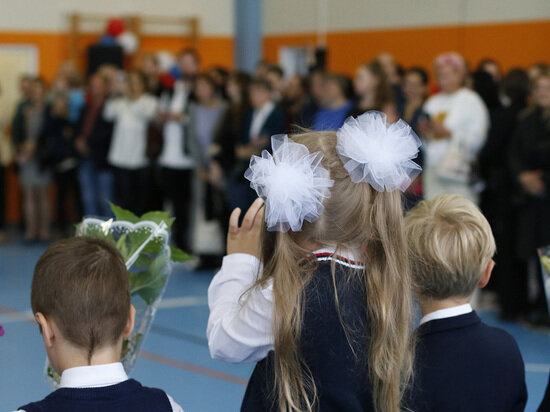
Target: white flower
[292,182]
[382,155]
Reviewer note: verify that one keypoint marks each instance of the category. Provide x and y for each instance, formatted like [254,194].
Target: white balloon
[128,41]
[165,60]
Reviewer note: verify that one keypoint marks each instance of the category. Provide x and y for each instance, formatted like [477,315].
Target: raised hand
[246,238]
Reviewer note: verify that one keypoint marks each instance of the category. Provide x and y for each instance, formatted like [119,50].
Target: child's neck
[101,356]
[428,306]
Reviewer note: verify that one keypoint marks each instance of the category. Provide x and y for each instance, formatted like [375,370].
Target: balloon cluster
[116,34]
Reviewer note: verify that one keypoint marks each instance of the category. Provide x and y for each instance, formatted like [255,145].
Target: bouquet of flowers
[144,243]
[544,255]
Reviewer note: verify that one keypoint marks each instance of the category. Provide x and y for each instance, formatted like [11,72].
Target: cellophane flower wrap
[144,243]
[544,256]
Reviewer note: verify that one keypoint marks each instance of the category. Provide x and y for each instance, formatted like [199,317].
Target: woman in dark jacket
[530,173]
[495,199]
[59,154]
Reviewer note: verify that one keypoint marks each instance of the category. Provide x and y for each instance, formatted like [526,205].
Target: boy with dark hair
[81,301]
[461,364]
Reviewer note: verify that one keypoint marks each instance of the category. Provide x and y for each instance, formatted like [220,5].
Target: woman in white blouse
[455,132]
[131,114]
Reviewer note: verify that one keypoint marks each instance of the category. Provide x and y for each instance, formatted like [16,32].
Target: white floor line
[17,317]
[537,367]
[169,303]
[183,301]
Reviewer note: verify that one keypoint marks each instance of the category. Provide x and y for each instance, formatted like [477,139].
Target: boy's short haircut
[450,244]
[82,283]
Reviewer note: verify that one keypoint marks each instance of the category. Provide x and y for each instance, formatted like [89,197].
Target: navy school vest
[126,396]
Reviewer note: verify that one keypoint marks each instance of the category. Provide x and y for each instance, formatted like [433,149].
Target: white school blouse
[98,376]
[240,322]
[239,327]
[129,141]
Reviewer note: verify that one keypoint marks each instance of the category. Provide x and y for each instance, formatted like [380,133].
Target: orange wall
[53,48]
[512,44]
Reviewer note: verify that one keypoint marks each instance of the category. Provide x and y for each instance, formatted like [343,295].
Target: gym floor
[175,355]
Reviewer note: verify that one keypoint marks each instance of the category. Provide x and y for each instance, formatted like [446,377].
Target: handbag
[456,164]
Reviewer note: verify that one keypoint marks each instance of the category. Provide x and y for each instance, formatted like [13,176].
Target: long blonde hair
[355,217]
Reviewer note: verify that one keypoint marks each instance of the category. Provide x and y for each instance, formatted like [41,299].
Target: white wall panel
[216,16]
[300,16]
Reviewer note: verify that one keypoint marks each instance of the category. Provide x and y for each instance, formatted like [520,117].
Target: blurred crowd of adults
[145,140]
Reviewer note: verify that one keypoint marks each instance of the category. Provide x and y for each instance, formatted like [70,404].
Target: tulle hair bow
[382,155]
[292,182]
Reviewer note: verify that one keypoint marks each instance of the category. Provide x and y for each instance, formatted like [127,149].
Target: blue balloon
[107,40]
[175,72]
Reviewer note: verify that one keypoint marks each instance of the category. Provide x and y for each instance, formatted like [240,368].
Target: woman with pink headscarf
[454,131]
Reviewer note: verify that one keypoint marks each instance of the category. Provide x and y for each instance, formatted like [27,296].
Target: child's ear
[486,275]
[130,324]
[46,329]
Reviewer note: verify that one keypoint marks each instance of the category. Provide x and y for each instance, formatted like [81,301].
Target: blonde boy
[462,364]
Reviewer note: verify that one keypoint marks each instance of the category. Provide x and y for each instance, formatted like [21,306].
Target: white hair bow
[292,182]
[382,155]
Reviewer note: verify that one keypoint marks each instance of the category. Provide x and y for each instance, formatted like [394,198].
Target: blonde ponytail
[355,215]
[388,285]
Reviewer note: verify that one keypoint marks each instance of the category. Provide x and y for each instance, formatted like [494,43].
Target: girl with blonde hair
[320,295]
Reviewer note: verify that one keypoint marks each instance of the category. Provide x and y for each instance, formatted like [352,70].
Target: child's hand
[246,239]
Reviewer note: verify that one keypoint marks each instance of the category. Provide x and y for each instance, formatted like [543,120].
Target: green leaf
[159,264]
[153,247]
[158,217]
[148,284]
[123,214]
[136,238]
[122,247]
[178,255]
[143,260]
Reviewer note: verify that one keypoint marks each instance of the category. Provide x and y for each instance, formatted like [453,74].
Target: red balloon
[115,27]
[167,80]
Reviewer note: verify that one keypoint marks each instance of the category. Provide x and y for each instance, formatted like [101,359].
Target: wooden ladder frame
[134,23]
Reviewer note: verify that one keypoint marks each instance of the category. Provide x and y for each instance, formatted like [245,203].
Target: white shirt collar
[94,376]
[447,313]
[351,257]
[345,253]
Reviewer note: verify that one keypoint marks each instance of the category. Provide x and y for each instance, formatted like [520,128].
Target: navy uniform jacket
[341,376]
[274,124]
[463,365]
[545,405]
